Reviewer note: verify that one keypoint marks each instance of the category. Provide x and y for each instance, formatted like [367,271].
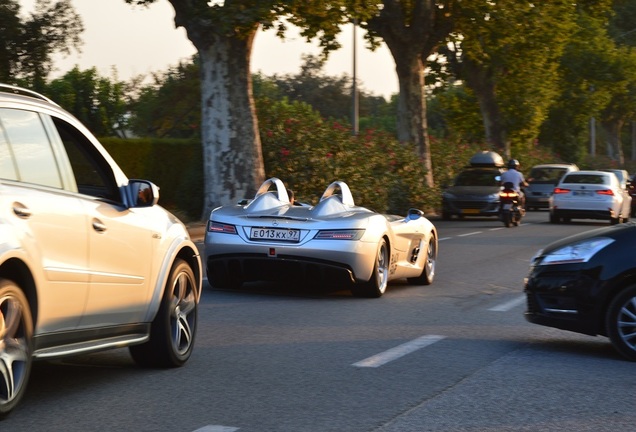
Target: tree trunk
[412,126]
[232,157]
[233,166]
[412,31]
[481,83]
[614,147]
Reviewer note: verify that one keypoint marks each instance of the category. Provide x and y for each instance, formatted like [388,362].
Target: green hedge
[173,165]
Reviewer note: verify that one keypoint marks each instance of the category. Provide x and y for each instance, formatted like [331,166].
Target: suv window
[92,173]
[7,165]
[477,177]
[31,148]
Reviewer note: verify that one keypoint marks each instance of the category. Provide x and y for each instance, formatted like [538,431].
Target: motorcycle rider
[514,176]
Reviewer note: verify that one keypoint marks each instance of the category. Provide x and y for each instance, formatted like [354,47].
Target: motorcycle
[510,209]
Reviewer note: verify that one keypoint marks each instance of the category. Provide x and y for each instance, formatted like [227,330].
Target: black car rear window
[586,179]
[477,178]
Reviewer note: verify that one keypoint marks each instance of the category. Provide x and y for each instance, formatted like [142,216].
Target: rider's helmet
[513,164]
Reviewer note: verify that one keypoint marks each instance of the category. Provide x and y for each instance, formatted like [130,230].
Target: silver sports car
[332,244]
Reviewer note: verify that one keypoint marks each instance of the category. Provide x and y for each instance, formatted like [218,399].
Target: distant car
[88,260]
[331,244]
[623,176]
[631,189]
[541,182]
[590,195]
[587,284]
[475,190]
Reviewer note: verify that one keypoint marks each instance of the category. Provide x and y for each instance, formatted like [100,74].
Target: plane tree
[412,30]
[27,44]
[223,33]
[508,53]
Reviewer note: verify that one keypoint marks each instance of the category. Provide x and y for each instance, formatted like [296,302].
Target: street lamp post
[354,87]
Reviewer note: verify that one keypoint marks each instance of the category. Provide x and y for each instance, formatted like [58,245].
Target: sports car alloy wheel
[428,272]
[16,330]
[376,286]
[621,322]
[172,332]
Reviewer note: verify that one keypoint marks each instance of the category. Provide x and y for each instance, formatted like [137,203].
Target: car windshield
[586,179]
[477,178]
[547,175]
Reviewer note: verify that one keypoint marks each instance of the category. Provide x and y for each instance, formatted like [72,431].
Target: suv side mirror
[142,193]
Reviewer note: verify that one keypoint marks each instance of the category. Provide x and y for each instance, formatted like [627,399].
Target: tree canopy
[27,44]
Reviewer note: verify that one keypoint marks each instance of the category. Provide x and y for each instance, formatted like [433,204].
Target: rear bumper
[233,270]
[471,208]
[537,201]
[230,260]
[583,214]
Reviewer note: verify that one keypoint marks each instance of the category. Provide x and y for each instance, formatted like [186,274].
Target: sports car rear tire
[621,322]
[16,333]
[173,330]
[428,272]
[376,286]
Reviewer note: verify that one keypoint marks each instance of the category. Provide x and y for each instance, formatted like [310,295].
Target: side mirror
[142,193]
[414,214]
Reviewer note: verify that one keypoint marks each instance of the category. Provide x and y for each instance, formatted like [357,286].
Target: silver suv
[88,260]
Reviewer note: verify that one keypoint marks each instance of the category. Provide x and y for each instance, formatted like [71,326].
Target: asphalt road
[453,356]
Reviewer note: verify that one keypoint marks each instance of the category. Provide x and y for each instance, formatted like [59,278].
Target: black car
[587,284]
[475,190]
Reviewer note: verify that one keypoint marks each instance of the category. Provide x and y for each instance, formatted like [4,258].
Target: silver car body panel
[272,213]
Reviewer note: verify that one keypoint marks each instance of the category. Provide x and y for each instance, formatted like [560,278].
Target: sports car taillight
[349,234]
[221,228]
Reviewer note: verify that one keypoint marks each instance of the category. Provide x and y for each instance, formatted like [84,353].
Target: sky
[136,40]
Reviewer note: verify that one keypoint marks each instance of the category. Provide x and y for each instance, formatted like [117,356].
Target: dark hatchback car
[587,284]
[475,190]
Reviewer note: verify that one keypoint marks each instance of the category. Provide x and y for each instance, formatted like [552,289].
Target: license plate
[582,193]
[507,206]
[470,211]
[278,234]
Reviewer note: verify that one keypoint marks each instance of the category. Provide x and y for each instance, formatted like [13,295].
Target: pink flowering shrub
[308,152]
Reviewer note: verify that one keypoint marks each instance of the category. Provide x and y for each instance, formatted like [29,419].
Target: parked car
[541,182]
[88,260]
[587,284]
[475,190]
[590,195]
[331,244]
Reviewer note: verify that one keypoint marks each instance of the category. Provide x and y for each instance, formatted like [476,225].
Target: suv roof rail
[7,88]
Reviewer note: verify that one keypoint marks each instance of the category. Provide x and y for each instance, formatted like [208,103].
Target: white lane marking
[399,351]
[444,238]
[505,307]
[215,428]
[469,234]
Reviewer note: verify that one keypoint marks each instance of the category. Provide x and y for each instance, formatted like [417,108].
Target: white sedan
[590,195]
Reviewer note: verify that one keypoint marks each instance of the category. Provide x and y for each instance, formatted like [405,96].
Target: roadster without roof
[333,244]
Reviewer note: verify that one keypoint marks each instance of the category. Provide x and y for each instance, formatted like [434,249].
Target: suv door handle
[21,211]
[99,226]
